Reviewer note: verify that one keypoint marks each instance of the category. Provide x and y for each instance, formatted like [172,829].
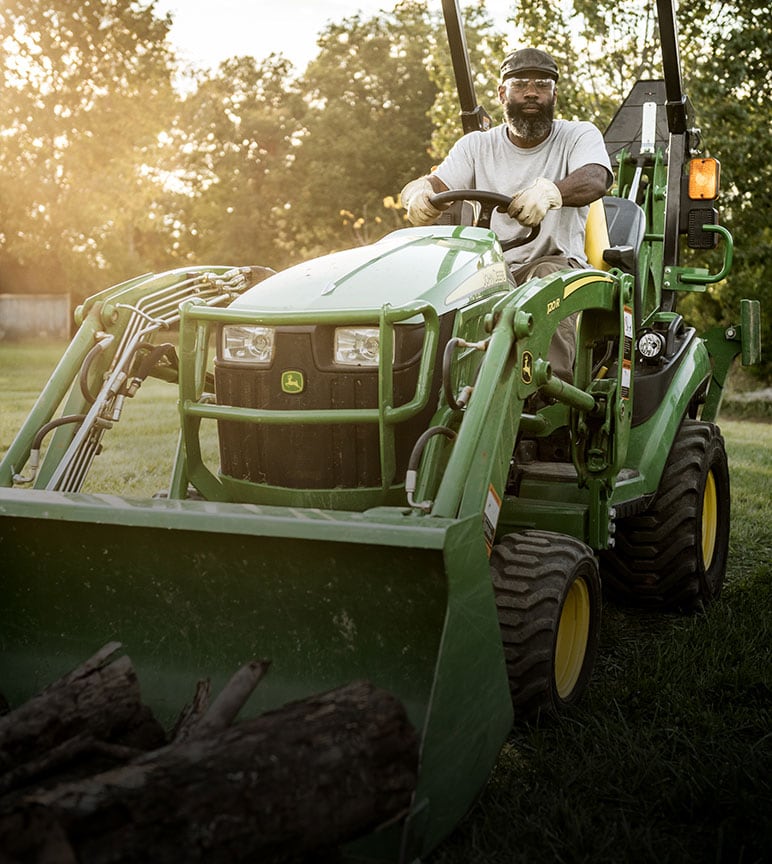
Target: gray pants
[562,350]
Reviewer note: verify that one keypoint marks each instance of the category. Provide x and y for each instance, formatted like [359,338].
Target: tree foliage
[367,126]
[86,89]
[236,138]
[731,81]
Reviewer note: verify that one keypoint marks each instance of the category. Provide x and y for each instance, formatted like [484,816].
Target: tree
[728,52]
[367,127]
[234,143]
[86,88]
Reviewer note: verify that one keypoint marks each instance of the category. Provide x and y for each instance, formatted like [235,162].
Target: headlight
[651,344]
[357,346]
[250,344]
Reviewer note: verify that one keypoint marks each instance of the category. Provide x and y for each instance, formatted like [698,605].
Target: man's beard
[530,127]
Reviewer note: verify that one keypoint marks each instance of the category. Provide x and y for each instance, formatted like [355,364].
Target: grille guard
[196,322]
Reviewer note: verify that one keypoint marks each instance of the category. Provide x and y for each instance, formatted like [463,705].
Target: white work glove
[415,199]
[530,205]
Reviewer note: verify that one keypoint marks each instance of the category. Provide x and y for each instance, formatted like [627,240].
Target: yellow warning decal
[580,283]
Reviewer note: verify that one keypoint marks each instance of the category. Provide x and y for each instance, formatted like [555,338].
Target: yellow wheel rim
[573,631]
[709,520]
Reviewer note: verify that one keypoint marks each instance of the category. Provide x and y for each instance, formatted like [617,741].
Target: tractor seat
[626,228]
[615,230]
[614,234]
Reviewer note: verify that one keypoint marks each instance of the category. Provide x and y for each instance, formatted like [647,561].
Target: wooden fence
[35,316]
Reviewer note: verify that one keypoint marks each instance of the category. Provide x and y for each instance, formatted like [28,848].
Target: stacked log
[87,774]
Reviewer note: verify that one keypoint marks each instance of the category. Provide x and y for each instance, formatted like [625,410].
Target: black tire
[548,597]
[674,555]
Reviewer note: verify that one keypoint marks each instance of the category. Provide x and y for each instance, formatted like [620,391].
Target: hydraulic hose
[460,402]
[84,369]
[156,353]
[34,453]
[415,458]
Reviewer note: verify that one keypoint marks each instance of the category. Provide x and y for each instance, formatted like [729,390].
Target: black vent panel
[307,455]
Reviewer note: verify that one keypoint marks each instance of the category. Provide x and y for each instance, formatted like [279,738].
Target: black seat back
[626,223]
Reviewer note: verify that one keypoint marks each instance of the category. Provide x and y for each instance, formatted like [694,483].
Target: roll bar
[473,116]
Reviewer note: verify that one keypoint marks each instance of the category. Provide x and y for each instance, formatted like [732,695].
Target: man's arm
[584,185]
[580,187]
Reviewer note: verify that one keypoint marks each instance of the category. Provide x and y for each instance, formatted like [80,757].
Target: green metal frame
[727,343]
[116,318]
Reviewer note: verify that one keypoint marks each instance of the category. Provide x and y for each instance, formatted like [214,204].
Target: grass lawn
[668,758]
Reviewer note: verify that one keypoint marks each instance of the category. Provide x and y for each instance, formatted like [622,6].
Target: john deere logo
[526,371]
[292,381]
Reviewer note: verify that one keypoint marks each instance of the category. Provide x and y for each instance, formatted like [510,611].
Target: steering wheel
[488,201]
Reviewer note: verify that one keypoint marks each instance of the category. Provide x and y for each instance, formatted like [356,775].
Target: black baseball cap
[529,60]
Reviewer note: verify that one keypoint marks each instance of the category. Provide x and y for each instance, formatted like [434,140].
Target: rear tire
[674,555]
[548,598]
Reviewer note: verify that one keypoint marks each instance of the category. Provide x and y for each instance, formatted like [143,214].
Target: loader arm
[515,368]
[100,370]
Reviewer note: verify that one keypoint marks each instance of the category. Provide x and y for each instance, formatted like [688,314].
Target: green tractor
[403,492]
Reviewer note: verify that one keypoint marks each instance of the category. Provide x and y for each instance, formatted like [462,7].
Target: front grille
[313,456]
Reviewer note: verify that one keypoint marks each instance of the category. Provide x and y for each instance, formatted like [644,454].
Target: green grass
[669,757]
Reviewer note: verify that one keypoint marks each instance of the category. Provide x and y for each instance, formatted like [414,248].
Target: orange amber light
[703,179]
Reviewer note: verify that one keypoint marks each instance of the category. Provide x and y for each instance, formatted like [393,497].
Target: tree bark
[312,774]
[99,702]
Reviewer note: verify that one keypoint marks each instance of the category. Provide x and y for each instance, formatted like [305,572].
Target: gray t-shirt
[490,161]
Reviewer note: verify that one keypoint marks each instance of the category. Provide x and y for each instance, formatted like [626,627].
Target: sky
[205,32]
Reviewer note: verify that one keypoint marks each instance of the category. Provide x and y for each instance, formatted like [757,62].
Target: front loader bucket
[195,589]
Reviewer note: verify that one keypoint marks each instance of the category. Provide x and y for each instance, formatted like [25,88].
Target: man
[553,169]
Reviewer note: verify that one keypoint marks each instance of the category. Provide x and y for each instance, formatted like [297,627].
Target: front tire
[674,555]
[548,598]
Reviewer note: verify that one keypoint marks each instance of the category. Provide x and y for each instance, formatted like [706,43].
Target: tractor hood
[447,266]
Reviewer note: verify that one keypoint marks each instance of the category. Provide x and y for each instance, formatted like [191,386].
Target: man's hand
[530,205]
[415,199]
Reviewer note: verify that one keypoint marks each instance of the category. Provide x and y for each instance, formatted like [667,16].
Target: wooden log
[222,712]
[97,702]
[81,751]
[200,718]
[312,774]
